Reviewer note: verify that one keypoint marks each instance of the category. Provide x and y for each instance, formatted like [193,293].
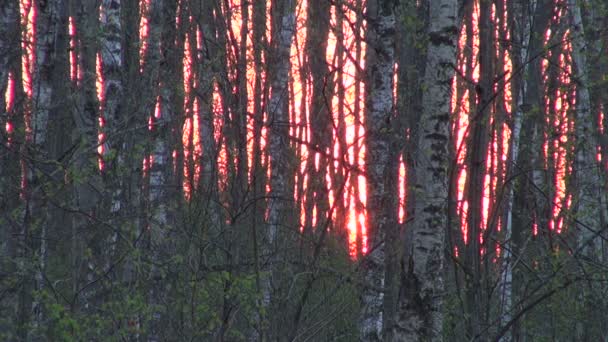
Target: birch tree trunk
[207,76]
[281,163]
[588,180]
[42,91]
[156,152]
[113,158]
[380,163]
[422,286]
[587,201]
[521,35]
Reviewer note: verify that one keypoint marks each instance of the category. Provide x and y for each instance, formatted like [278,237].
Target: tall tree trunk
[156,157]
[111,61]
[42,94]
[476,171]
[381,167]
[520,31]
[280,202]
[208,75]
[9,45]
[422,286]
[85,137]
[377,313]
[317,32]
[133,123]
[257,172]
[111,52]
[11,142]
[587,201]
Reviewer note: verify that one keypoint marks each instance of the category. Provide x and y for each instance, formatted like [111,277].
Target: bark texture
[422,286]
[379,165]
[281,156]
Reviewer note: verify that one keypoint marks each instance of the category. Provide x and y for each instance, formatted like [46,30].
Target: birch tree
[281,164]
[380,163]
[422,286]
[520,32]
[42,93]
[112,66]
[589,206]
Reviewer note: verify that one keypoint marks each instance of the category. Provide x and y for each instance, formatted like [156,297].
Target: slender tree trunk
[129,181]
[380,163]
[11,142]
[521,34]
[476,171]
[9,45]
[422,286]
[587,201]
[587,175]
[317,32]
[42,92]
[207,83]
[258,179]
[85,137]
[280,202]
[112,67]
[156,157]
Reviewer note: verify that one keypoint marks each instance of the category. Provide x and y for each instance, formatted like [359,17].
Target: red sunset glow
[350,128]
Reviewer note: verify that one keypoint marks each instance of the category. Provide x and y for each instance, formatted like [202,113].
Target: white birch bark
[158,224]
[379,134]
[111,60]
[422,287]
[210,60]
[279,120]
[278,146]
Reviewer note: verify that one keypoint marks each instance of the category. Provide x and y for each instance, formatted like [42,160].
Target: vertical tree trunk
[9,45]
[281,163]
[127,198]
[258,174]
[207,83]
[317,33]
[42,92]
[12,247]
[112,67]
[587,201]
[476,170]
[381,166]
[421,288]
[520,31]
[85,137]
[156,156]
